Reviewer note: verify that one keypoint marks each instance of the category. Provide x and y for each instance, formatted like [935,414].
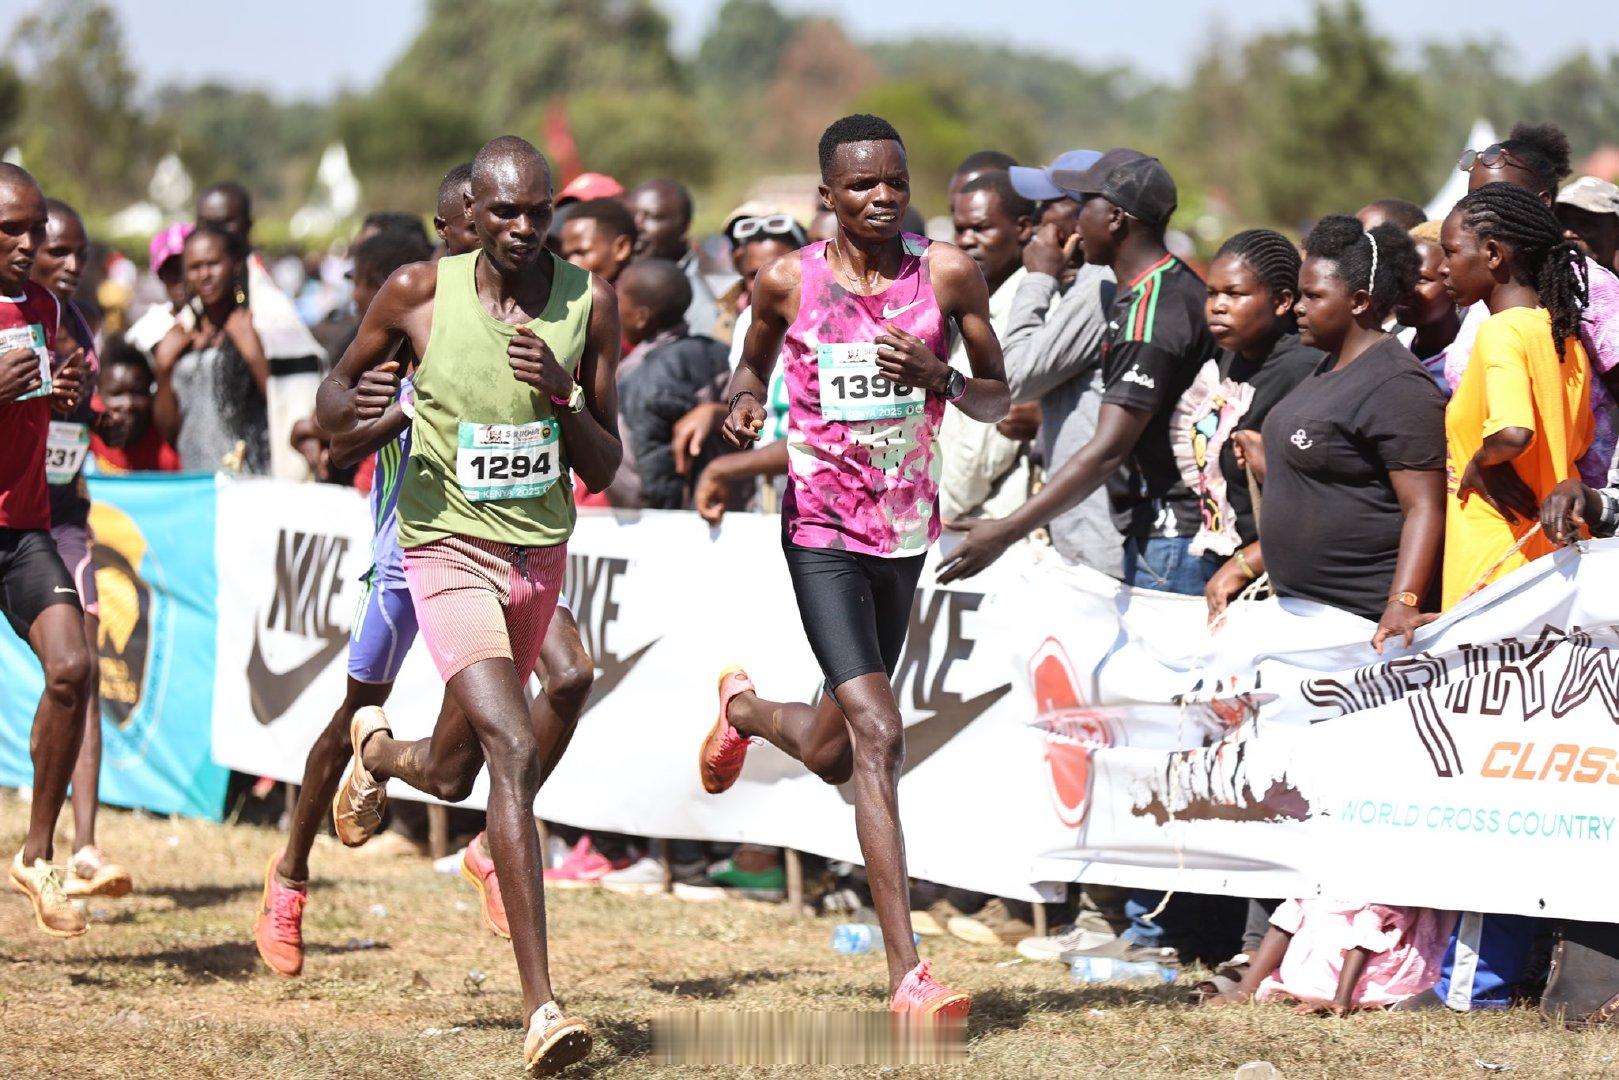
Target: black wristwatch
[955,386]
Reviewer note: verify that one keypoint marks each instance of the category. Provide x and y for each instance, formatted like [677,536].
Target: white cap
[1589,193]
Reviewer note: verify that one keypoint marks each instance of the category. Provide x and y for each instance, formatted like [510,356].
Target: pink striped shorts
[476,600]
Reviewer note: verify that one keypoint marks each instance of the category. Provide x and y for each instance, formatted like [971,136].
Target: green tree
[401,139]
[743,45]
[82,136]
[223,132]
[1345,124]
[652,134]
[11,103]
[942,121]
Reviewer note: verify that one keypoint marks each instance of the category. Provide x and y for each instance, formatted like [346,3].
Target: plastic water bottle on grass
[1103,969]
[853,938]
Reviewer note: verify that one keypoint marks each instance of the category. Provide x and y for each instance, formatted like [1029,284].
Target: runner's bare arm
[369,436]
[591,435]
[775,293]
[964,297]
[401,312]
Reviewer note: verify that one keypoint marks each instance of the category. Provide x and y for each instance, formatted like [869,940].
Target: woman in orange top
[1521,416]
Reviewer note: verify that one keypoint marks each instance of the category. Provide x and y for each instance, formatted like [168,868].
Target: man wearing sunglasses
[759,235]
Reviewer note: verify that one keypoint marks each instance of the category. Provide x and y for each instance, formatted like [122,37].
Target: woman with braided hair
[1521,416]
[1355,455]
[1253,285]
[1535,157]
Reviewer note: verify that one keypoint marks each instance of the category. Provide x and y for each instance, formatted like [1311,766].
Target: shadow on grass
[234,960]
[1009,1010]
[190,897]
[714,988]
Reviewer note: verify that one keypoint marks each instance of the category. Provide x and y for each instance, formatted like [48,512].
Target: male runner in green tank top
[515,388]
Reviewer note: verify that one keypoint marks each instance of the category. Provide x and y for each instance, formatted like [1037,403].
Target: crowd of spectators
[1423,405]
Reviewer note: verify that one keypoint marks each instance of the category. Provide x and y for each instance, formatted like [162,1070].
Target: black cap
[1135,182]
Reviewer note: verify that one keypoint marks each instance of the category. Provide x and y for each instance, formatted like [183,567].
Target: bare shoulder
[602,295]
[779,280]
[409,287]
[949,265]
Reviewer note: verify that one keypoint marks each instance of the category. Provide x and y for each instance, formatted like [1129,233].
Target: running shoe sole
[568,1045]
[356,741]
[39,920]
[264,907]
[483,899]
[715,732]
[110,889]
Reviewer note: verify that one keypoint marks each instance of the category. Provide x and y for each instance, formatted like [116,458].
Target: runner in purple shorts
[58,265]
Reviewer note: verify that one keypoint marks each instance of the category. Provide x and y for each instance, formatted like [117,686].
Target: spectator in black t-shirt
[1156,341]
[1253,288]
[1355,456]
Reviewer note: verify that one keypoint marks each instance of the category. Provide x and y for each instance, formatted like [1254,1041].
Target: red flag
[559,145]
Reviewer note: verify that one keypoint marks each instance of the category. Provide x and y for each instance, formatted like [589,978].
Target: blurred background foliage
[1275,129]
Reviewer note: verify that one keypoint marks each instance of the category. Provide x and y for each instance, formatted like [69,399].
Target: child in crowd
[1340,958]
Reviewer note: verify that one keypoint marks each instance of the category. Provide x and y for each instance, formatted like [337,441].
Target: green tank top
[487,459]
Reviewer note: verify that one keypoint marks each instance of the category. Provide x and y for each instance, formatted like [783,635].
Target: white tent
[336,196]
[168,197]
[1455,186]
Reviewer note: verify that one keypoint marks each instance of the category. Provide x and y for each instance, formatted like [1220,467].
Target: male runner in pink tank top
[860,323]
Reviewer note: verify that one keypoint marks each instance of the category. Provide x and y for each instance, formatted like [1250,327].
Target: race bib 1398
[853,389]
[507,461]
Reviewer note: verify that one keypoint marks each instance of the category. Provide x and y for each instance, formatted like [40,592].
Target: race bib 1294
[507,461]
[853,389]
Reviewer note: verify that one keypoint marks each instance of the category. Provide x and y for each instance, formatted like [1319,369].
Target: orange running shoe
[478,868]
[725,748]
[90,874]
[918,995]
[278,931]
[554,1041]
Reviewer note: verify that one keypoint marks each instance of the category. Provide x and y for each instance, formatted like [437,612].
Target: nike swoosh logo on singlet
[897,312]
[273,692]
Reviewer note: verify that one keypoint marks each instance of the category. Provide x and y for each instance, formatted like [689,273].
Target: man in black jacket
[667,371]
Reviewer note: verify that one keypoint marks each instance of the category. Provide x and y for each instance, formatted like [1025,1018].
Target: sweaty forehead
[20,199]
[877,157]
[1504,173]
[511,179]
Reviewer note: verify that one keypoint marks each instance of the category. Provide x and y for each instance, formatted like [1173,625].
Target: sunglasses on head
[774,225]
[1491,157]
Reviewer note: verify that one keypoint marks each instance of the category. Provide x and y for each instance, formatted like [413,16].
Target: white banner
[1059,727]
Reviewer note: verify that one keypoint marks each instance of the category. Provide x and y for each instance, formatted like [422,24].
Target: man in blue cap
[1053,349]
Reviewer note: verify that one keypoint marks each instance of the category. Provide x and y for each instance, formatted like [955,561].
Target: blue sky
[314,47]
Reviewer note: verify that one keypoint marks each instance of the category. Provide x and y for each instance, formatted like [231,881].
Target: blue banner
[154,560]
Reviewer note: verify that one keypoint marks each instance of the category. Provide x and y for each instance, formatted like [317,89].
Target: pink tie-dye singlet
[862,474]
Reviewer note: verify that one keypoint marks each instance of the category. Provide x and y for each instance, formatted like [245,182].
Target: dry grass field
[401,980]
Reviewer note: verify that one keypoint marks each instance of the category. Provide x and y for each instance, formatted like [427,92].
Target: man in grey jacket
[1053,351]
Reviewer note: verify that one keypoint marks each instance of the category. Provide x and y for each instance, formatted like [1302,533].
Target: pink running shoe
[584,867]
[478,868]
[918,995]
[719,762]
[278,931]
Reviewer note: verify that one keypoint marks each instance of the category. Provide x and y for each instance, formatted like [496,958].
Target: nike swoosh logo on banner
[614,672]
[927,737]
[273,692]
[897,312]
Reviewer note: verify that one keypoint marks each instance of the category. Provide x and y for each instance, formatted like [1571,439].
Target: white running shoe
[1075,939]
[643,877]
